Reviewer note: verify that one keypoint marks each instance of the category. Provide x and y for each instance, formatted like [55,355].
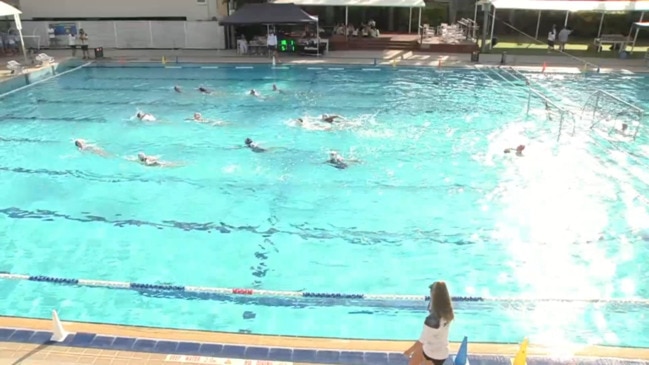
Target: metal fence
[134,34]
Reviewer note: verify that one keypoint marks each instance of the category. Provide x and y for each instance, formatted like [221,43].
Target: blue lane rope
[305,294]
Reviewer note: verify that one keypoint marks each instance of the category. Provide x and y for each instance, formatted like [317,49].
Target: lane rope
[303,294]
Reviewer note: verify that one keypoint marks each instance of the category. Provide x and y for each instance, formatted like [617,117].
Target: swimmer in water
[518,150]
[254,147]
[153,161]
[300,122]
[254,92]
[204,90]
[177,89]
[330,118]
[277,90]
[82,145]
[198,117]
[624,129]
[337,161]
[145,117]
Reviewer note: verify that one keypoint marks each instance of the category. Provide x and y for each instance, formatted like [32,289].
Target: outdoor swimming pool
[434,198]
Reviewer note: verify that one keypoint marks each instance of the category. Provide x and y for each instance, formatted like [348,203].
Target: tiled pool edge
[282,348]
[342,357]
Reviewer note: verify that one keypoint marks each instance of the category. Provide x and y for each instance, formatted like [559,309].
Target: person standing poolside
[83,40]
[271,43]
[563,38]
[552,36]
[432,346]
[72,42]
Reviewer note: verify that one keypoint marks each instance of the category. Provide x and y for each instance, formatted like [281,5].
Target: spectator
[552,37]
[83,40]
[432,346]
[72,42]
[563,38]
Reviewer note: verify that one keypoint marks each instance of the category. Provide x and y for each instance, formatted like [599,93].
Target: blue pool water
[433,198]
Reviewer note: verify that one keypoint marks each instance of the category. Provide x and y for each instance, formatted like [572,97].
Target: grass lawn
[576,47]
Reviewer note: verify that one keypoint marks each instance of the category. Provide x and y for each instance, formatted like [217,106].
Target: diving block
[14,67]
[59,334]
[521,355]
[43,59]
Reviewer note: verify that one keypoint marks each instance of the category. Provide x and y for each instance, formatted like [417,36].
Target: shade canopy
[269,13]
[358,3]
[8,10]
[641,25]
[572,5]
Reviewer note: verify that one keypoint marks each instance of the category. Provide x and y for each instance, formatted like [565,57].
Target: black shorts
[84,47]
[272,48]
[435,361]
[73,47]
[551,43]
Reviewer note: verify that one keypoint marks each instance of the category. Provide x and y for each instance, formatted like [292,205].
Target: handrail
[547,100]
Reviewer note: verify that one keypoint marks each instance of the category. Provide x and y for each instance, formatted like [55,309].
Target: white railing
[136,34]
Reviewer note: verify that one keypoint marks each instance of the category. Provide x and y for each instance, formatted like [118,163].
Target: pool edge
[316,343]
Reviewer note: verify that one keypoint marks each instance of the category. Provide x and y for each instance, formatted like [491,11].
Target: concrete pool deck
[89,343]
[554,62]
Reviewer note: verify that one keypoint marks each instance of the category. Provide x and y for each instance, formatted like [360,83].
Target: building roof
[573,5]
[358,3]
[6,9]
[269,13]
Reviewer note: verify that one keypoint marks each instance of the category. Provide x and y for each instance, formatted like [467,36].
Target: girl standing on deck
[432,346]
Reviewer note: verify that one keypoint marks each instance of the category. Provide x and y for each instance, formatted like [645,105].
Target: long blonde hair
[441,301]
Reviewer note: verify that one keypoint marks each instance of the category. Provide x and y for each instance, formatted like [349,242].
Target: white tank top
[435,340]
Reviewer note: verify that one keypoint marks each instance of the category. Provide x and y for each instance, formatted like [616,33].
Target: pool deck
[554,62]
[26,340]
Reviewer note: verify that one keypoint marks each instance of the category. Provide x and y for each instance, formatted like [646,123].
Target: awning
[642,25]
[269,13]
[573,5]
[358,3]
[7,10]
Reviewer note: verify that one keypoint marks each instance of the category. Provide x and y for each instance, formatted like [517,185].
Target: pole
[410,22]
[601,23]
[493,25]
[419,24]
[485,21]
[475,13]
[317,35]
[565,23]
[346,21]
[538,24]
[19,27]
[635,37]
